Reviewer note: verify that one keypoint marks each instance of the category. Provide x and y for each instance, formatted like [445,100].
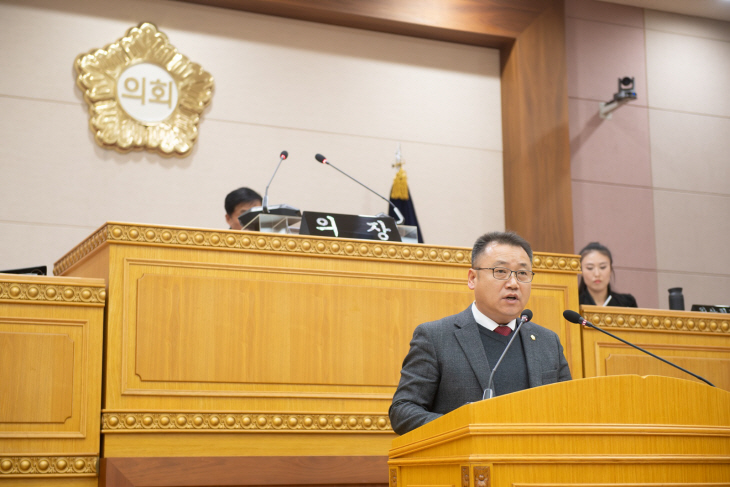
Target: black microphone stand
[265,201]
[324,160]
[489,391]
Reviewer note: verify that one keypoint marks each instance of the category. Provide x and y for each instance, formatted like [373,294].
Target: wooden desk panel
[699,342]
[50,379]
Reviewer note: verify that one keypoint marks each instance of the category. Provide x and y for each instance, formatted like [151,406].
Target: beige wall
[653,183]
[688,71]
[279,85]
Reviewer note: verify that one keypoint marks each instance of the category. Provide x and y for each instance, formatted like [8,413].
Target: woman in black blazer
[596,266]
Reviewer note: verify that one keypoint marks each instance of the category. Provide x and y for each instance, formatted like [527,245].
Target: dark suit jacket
[447,367]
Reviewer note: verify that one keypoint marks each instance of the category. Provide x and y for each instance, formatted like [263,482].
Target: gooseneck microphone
[574,317]
[265,202]
[324,160]
[525,316]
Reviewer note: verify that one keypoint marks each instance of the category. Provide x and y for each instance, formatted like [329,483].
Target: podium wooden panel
[236,344]
[699,342]
[50,379]
[607,431]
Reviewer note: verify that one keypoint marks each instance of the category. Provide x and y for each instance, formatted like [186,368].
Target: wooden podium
[605,431]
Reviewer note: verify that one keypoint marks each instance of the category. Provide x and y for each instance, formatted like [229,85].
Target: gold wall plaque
[143,94]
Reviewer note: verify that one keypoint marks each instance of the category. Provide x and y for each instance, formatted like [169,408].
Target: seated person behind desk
[238,202]
[450,360]
[596,266]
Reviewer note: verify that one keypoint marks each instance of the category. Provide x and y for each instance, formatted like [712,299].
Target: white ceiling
[713,9]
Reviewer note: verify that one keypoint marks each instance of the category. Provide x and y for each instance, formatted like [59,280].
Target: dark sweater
[511,376]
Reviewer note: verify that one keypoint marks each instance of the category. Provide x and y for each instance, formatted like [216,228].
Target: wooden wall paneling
[537,186]
[531,37]
[490,23]
[50,379]
[699,342]
[552,293]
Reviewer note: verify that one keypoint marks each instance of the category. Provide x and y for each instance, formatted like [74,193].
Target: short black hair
[238,196]
[505,238]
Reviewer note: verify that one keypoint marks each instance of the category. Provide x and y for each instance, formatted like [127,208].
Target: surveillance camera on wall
[625,94]
[625,90]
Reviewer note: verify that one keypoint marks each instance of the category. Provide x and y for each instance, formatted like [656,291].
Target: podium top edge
[629,400]
[238,240]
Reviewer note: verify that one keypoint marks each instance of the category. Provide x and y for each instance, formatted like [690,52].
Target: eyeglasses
[503,274]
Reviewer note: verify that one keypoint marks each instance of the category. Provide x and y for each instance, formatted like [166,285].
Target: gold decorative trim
[658,321]
[120,422]
[296,244]
[556,262]
[464,476]
[481,476]
[394,477]
[12,291]
[94,241]
[26,466]
[99,73]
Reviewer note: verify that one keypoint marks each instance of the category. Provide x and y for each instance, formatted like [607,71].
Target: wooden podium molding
[223,422]
[657,320]
[48,466]
[331,247]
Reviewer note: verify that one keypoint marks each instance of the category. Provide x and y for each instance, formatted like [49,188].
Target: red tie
[503,330]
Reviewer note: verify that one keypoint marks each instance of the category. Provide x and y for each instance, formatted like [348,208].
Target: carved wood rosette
[482,477]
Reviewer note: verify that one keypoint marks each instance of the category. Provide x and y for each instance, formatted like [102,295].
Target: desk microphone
[265,202]
[525,316]
[324,160]
[574,317]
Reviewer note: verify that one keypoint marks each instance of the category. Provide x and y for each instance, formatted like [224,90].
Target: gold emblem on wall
[143,94]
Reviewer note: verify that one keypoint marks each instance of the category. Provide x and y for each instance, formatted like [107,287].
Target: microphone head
[526,315]
[572,316]
[321,158]
[284,154]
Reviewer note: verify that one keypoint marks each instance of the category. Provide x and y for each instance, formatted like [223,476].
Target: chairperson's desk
[265,351]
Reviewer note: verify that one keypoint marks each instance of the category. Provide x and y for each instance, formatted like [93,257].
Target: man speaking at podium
[450,360]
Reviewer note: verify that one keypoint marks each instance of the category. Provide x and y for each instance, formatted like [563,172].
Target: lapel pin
[532,336]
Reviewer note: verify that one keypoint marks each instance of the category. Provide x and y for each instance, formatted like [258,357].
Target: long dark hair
[594,247]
